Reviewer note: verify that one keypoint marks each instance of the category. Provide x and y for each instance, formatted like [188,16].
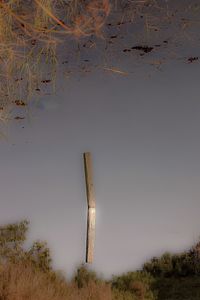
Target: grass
[20,282]
[32,33]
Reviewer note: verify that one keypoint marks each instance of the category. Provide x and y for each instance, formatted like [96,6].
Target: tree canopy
[183,264]
[12,238]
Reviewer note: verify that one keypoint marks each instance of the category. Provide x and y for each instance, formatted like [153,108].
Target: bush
[12,238]
[178,265]
[84,277]
[137,284]
[162,266]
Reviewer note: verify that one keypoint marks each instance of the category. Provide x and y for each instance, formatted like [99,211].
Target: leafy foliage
[12,238]
[83,277]
[178,265]
[135,285]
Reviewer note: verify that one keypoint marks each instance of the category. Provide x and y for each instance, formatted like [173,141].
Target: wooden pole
[91,208]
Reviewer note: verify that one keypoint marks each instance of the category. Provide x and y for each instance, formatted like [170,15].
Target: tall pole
[91,208]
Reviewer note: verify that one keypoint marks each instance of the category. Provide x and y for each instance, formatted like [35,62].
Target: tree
[12,238]
[183,264]
[195,257]
[161,266]
[137,284]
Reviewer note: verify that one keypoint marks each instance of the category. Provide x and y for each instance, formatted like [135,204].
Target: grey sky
[144,138]
[143,133]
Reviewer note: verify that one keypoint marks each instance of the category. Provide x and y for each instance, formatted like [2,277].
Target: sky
[142,130]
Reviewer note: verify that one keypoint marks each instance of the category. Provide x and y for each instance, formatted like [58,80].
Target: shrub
[183,264]
[84,277]
[162,266]
[12,239]
[137,284]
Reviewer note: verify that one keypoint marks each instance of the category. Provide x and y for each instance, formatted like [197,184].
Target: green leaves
[179,265]
[133,285]
[12,238]
[39,254]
